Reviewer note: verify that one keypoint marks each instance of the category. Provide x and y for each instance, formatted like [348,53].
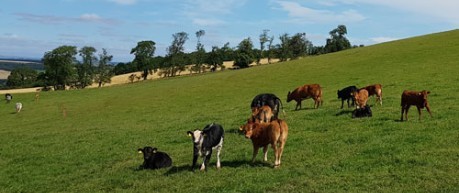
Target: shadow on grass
[343,112]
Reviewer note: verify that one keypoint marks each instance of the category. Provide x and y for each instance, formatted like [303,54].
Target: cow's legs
[406,112]
[342,103]
[403,110]
[255,152]
[265,153]
[206,160]
[428,109]
[419,111]
[219,148]
[195,159]
[281,150]
[276,154]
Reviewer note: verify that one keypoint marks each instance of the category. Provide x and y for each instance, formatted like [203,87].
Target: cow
[375,89]
[362,112]
[266,99]
[417,98]
[18,107]
[211,137]
[346,94]
[361,98]
[263,134]
[8,97]
[154,159]
[262,114]
[306,91]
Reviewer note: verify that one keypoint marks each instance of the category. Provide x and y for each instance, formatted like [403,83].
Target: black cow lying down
[211,137]
[154,159]
[362,112]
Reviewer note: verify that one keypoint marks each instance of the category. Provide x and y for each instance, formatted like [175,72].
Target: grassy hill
[86,140]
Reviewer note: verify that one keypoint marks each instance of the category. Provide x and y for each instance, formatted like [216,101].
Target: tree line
[63,69]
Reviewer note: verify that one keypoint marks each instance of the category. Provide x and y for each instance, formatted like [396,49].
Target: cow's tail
[282,106]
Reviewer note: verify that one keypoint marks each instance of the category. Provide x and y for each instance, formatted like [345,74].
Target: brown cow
[375,89]
[262,114]
[418,98]
[361,98]
[263,134]
[306,91]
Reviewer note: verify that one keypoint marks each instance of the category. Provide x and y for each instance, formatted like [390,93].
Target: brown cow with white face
[375,89]
[417,98]
[306,91]
[361,98]
[264,134]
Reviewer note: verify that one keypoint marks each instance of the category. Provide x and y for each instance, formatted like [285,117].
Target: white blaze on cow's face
[197,135]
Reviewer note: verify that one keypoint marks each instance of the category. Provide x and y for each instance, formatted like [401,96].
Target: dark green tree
[176,58]
[337,40]
[264,38]
[199,55]
[244,54]
[22,77]
[283,49]
[60,66]
[104,71]
[215,57]
[299,45]
[144,52]
[86,69]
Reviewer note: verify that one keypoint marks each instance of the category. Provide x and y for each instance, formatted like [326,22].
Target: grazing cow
[211,137]
[361,98]
[18,107]
[362,112]
[154,159]
[375,89]
[263,134]
[418,98]
[266,99]
[306,91]
[262,114]
[8,97]
[346,94]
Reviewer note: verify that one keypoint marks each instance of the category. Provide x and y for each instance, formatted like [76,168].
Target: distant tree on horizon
[85,69]
[144,52]
[60,66]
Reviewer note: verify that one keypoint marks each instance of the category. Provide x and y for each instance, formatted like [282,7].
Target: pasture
[87,140]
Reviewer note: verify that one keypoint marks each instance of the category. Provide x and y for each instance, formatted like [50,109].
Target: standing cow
[263,134]
[211,137]
[346,94]
[268,99]
[375,89]
[361,98]
[417,98]
[306,91]
[262,114]
[154,159]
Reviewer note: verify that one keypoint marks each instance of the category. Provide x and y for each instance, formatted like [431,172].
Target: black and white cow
[154,159]
[8,97]
[362,112]
[267,99]
[346,94]
[211,137]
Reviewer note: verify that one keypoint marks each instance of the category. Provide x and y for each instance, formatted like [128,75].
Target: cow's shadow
[177,169]
[344,112]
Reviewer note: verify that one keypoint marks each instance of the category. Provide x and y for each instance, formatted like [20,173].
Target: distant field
[86,140]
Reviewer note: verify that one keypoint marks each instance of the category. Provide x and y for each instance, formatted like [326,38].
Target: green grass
[93,148]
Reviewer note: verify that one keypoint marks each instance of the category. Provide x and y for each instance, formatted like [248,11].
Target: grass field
[93,147]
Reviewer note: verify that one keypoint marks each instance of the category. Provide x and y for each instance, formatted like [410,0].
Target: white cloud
[304,14]
[124,2]
[90,17]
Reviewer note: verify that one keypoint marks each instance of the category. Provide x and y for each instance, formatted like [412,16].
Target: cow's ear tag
[189,134]
[140,151]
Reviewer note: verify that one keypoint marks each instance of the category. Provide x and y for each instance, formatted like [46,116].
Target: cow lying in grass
[362,112]
[417,98]
[211,137]
[153,159]
[264,134]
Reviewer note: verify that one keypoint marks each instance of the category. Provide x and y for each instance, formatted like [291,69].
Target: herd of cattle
[264,127]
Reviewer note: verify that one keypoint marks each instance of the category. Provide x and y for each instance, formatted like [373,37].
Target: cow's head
[289,98]
[262,114]
[423,94]
[196,135]
[247,129]
[148,152]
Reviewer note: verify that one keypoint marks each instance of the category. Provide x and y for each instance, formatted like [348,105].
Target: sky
[30,28]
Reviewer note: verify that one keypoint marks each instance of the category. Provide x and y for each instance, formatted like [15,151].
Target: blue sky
[29,28]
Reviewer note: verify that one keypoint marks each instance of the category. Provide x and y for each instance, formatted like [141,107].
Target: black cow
[211,137]
[8,97]
[362,112]
[346,94]
[267,99]
[154,159]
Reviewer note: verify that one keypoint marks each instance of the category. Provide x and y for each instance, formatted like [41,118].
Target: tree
[263,39]
[337,40]
[175,56]
[59,66]
[200,51]
[299,45]
[86,69]
[144,52]
[104,72]
[283,49]
[244,54]
[269,53]
[215,57]
[22,77]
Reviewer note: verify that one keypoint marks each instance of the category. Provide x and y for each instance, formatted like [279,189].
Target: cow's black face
[148,152]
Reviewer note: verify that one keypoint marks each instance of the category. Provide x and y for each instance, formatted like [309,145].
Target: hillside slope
[86,140]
